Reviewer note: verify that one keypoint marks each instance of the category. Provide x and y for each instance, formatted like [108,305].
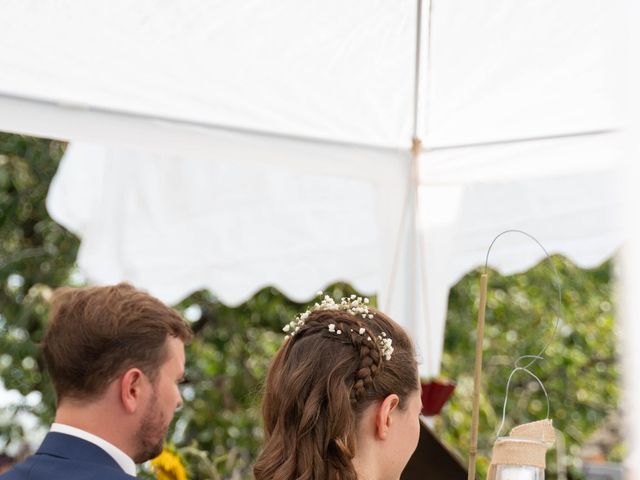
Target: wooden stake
[473,447]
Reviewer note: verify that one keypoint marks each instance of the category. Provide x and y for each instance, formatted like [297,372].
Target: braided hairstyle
[317,387]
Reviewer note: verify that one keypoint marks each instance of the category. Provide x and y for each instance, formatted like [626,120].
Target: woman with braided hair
[341,399]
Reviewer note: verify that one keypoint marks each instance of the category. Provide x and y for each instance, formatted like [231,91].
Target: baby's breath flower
[354,305]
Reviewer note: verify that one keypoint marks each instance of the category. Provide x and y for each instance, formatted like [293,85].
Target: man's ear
[383,415]
[131,389]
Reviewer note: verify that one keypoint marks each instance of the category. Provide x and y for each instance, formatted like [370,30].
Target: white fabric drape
[179,225]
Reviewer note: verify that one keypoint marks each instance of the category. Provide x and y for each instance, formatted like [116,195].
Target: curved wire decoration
[518,364]
[532,359]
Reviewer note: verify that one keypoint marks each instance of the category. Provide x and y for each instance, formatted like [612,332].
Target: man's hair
[97,333]
[318,386]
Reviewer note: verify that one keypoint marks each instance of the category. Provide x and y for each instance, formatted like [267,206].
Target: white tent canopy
[232,146]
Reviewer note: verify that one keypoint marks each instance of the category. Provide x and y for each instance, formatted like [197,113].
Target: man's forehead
[176,353]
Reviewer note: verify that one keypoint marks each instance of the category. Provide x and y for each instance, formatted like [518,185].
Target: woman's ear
[131,389]
[383,415]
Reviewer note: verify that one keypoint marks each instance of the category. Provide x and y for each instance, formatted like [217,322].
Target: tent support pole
[473,447]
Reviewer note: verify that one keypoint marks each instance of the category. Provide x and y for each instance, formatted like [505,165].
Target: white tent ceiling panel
[502,70]
[334,70]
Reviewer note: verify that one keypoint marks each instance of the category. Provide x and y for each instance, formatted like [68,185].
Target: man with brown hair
[116,356]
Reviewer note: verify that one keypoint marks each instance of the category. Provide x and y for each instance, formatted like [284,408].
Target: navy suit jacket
[65,457]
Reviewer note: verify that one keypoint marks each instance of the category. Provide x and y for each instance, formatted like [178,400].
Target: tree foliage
[35,254]
[580,366]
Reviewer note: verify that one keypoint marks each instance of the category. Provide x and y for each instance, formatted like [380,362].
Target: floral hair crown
[355,306]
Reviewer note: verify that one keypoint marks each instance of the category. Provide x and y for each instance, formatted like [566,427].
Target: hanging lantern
[522,455]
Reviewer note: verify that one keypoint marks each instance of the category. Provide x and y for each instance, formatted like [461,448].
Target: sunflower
[169,466]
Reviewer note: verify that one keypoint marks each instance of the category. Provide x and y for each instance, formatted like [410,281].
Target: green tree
[35,254]
[580,367]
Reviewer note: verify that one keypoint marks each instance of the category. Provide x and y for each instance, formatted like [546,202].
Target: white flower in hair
[385,346]
[354,305]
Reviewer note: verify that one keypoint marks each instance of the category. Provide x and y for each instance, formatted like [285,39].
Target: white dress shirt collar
[121,458]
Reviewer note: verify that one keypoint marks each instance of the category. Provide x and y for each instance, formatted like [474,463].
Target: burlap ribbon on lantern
[526,445]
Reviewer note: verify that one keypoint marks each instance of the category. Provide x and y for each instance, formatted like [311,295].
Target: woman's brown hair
[318,385]
[96,333]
